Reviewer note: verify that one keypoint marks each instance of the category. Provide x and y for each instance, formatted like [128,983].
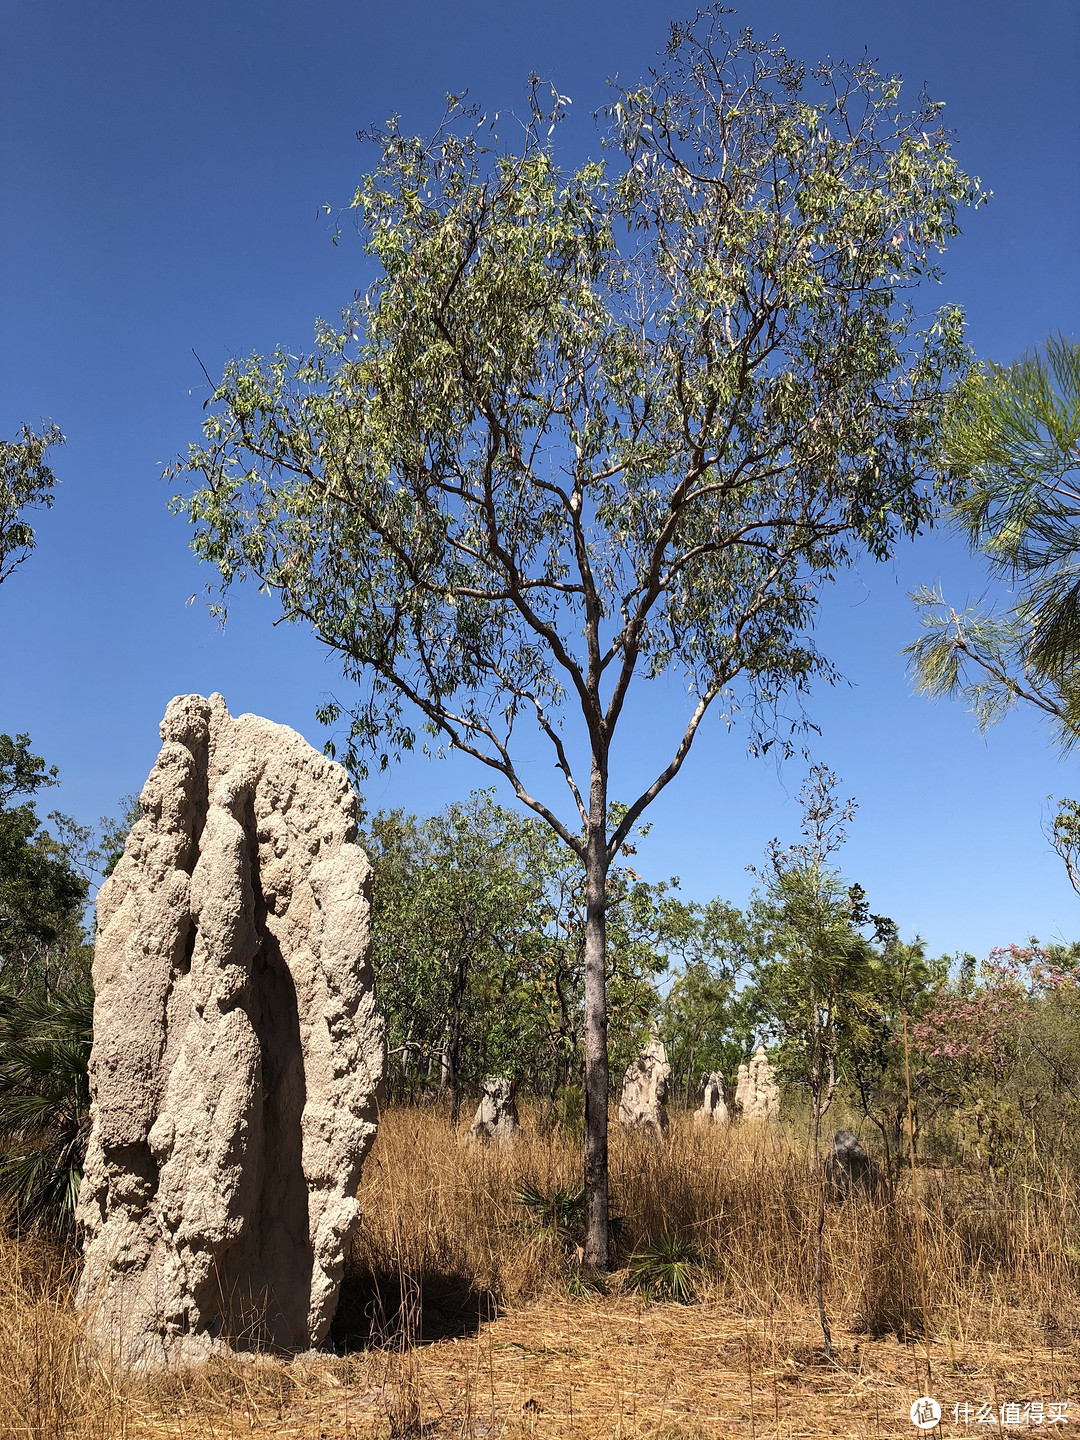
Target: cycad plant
[44,1101]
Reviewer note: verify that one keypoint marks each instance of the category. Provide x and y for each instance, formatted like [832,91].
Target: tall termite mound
[643,1104]
[757,1095]
[237,1049]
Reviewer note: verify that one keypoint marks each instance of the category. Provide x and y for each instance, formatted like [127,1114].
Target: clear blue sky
[162,169]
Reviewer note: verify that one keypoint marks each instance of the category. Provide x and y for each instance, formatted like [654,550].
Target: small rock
[848,1167]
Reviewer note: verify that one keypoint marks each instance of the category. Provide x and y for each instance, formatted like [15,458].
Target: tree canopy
[591,425]
[42,894]
[601,423]
[26,484]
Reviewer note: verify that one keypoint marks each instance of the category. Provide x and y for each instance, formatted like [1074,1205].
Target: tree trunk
[819,1230]
[405,1067]
[689,1077]
[457,1001]
[883,1126]
[596,1049]
[450,1051]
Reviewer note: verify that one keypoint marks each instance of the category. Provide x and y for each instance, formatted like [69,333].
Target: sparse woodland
[708,397]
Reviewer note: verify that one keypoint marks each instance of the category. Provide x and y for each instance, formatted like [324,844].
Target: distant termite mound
[496,1116]
[712,1110]
[757,1095]
[643,1104]
[237,1049]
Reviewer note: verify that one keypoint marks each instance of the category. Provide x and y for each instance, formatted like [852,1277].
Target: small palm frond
[562,1212]
[583,1284]
[43,1184]
[666,1268]
[44,1099]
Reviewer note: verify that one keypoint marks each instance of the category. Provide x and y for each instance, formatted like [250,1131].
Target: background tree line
[478,926]
[478,944]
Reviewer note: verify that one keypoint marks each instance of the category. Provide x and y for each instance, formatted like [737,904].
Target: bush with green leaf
[667,1268]
[44,1101]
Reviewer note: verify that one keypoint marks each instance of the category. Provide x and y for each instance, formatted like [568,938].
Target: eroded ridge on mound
[237,1048]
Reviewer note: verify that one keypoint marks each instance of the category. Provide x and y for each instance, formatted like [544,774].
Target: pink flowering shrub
[979,1029]
[990,1051]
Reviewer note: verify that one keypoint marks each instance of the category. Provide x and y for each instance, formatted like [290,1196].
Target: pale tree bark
[819,1177]
[596,1023]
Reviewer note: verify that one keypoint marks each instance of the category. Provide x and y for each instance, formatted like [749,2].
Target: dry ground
[457,1319]
[590,1369]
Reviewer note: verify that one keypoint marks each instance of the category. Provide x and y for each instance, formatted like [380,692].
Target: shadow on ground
[379,1307]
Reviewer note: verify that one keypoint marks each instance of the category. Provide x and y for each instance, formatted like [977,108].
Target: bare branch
[666,775]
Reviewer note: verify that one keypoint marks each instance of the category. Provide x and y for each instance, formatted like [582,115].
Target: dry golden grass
[461,1322]
[1001,1261]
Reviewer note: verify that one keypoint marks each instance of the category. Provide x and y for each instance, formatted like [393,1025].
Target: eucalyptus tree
[811,976]
[592,425]
[819,978]
[26,484]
